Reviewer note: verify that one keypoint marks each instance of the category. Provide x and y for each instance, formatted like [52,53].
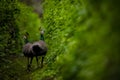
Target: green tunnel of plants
[82,37]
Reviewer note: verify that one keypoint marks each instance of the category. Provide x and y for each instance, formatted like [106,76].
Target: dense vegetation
[15,19]
[82,38]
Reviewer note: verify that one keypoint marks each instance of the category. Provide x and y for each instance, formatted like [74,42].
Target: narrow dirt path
[14,68]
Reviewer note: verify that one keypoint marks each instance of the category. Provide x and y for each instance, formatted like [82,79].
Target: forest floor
[14,68]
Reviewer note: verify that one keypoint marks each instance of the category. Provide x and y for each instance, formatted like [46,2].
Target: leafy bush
[15,19]
[83,38]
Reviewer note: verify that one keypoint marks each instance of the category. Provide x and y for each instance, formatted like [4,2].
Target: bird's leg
[28,65]
[42,61]
[31,61]
[37,61]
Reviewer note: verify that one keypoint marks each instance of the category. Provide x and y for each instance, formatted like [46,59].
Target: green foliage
[8,28]
[15,19]
[29,22]
[83,39]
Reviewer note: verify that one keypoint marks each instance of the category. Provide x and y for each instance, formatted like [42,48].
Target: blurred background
[83,38]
